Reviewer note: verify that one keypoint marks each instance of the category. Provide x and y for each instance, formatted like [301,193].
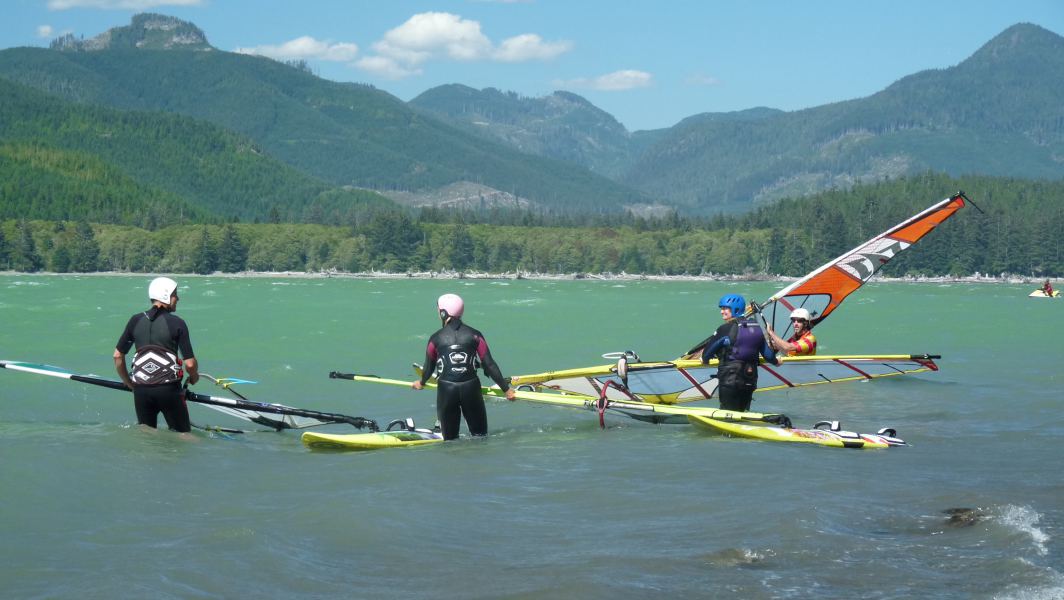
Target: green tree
[392,237]
[24,256]
[84,252]
[460,248]
[204,255]
[4,252]
[232,256]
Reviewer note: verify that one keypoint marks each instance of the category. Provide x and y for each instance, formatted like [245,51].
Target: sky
[649,64]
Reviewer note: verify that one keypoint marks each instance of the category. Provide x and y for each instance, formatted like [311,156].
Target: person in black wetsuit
[737,343]
[454,353]
[155,378]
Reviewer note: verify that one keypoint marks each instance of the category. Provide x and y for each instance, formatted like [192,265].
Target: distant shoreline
[476,276]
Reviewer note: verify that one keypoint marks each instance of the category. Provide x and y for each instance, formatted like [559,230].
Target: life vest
[738,369]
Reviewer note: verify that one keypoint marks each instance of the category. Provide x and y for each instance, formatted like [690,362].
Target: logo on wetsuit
[458,361]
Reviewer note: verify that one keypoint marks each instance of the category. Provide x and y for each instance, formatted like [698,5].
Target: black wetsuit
[737,343]
[455,352]
[159,327]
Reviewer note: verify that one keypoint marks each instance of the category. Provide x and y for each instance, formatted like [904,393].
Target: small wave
[1051,591]
[522,301]
[735,557]
[209,293]
[1024,519]
[618,285]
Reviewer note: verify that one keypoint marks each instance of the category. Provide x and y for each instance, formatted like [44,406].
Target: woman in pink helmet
[454,353]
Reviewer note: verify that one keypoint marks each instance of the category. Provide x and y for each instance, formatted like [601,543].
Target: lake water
[548,505]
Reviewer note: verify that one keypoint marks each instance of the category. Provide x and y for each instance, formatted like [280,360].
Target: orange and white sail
[821,291]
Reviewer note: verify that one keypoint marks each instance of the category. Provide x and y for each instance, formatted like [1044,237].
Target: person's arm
[779,344]
[769,353]
[122,369]
[429,367]
[491,368]
[192,370]
[184,344]
[125,342]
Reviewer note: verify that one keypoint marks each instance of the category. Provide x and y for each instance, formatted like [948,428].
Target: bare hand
[511,394]
[417,385]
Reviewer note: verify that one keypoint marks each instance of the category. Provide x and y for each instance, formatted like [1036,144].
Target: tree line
[1016,232]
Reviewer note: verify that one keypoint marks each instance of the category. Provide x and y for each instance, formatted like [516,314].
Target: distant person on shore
[738,343]
[454,352]
[803,342]
[155,377]
[1047,288]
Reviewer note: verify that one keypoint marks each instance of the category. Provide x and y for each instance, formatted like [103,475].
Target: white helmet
[161,288]
[801,313]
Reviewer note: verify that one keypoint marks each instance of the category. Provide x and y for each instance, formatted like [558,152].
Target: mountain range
[1000,112]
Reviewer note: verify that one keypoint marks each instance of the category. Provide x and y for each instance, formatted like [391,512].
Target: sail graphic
[821,291]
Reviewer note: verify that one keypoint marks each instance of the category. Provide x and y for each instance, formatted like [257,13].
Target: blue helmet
[735,302]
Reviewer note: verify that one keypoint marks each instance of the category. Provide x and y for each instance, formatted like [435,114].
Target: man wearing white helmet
[454,353]
[803,342]
[155,378]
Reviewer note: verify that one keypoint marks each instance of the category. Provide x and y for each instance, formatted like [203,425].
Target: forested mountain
[561,125]
[346,134]
[1000,112]
[61,160]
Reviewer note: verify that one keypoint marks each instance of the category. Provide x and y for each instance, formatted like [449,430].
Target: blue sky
[650,64]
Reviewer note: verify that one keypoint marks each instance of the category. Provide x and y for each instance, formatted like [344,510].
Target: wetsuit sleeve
[430,361]
[491,368]
[714,344]
[184,343]
[768,352]
[125,341]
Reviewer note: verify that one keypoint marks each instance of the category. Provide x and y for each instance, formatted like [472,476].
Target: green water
[548,505]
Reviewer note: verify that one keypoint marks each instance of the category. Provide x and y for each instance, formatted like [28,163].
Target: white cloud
[439,35]
[306,48]
[529,46]
[611,82]
[427,34]
[701,79]
[45,31]
[118,4]
[385,67]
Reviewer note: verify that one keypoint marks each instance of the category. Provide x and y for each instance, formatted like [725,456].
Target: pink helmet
[450,305]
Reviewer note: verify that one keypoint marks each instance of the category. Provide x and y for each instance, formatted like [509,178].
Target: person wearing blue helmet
[738,343]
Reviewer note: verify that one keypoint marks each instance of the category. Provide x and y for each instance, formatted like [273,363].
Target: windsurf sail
[275,416]
[821,291]
[681,381]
